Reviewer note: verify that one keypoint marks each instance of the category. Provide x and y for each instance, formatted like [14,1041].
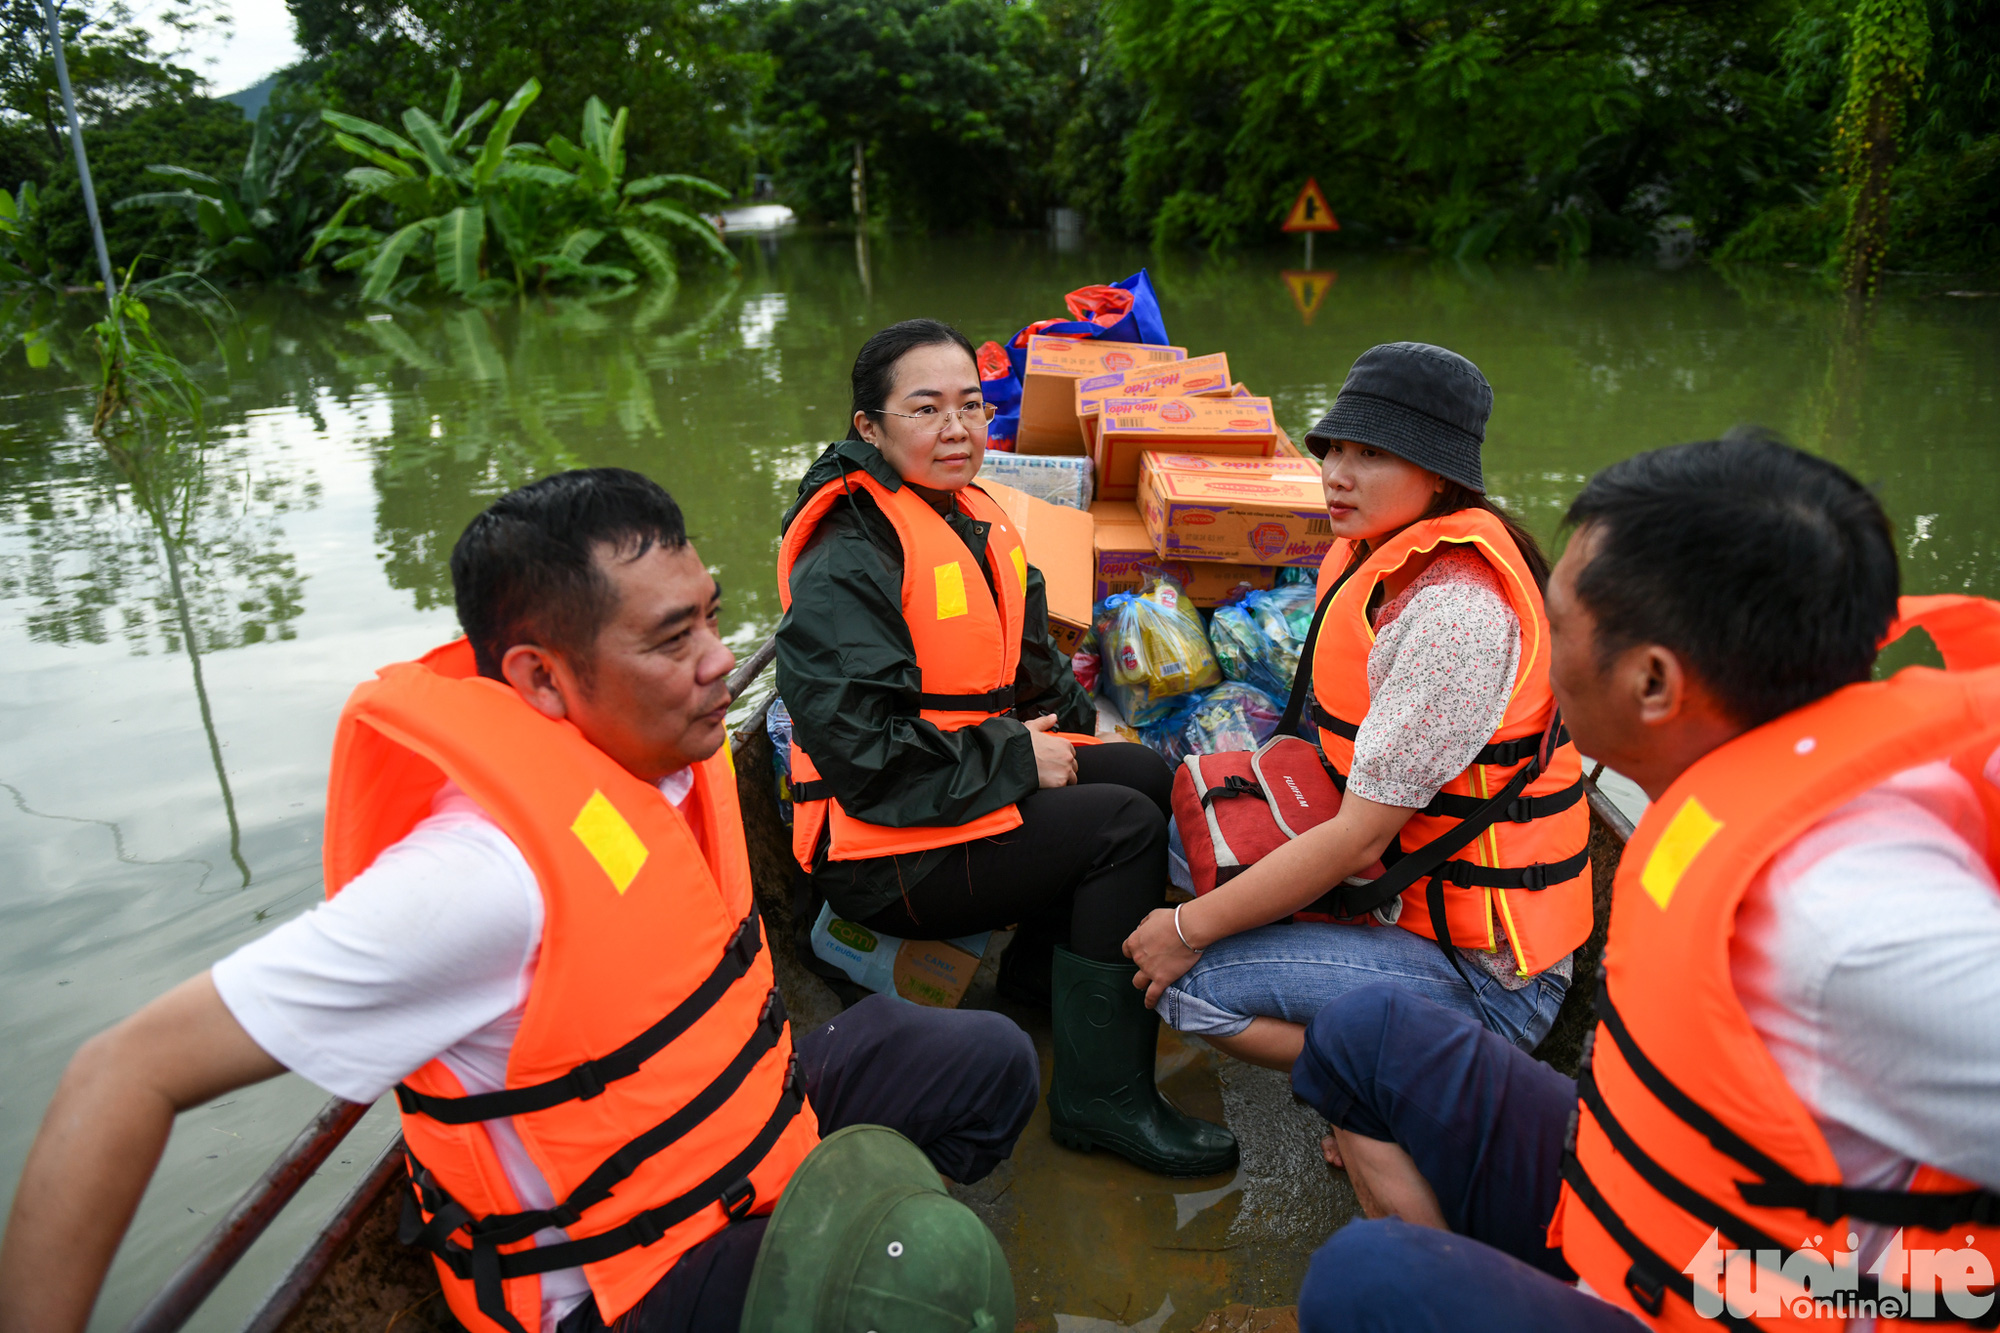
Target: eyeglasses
[932,420]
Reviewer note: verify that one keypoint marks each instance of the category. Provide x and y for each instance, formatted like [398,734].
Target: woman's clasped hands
[1156,946]
[1055,758]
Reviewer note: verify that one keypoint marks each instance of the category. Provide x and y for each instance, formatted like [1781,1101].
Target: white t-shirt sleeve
[1866,960]
[433,943]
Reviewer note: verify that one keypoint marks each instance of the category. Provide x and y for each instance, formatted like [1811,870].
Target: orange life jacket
[651,1079]
[968,644]
[1532,867]
[1688,1139]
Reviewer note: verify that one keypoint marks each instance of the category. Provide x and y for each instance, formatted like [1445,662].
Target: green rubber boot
[1102,1094]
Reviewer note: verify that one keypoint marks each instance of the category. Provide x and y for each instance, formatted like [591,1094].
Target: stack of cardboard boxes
[1193,476]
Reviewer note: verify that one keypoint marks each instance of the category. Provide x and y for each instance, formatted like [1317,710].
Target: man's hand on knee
[1385,1179]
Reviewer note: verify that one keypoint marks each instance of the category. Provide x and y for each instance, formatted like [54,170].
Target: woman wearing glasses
[933,795]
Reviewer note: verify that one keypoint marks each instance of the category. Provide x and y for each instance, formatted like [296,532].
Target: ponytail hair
[1455,497]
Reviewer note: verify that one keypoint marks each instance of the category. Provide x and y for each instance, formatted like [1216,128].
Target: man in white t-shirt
[582,594]
[1714,620]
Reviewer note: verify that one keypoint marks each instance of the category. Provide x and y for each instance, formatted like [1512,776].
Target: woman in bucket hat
[1430,695]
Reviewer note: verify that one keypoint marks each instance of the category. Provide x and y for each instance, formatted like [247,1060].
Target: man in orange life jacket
[1790,1107]
[541,933]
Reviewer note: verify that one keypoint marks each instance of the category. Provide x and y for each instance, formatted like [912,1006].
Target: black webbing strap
[590,1078]
[488,1268]
[1499,753]
[1743,1235]
[1650,1277]
[1233,785]
[996,702]
[505,1228]
[1434,858]
[1896,1208]
[1340,727]
[993,701]
[1514,751]
[1524,808]
[1779,1187]
[1520,811]
[1288,725]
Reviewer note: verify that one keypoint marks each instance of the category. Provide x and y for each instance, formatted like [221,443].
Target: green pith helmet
[865,1240]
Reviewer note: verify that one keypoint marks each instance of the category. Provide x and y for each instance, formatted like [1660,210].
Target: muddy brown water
[176,651]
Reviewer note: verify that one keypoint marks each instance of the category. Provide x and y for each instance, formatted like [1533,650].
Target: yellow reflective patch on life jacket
[1686,834]
[1021,567]
[606,836]
[950,590]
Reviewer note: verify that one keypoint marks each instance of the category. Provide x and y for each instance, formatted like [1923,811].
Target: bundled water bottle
[778,726]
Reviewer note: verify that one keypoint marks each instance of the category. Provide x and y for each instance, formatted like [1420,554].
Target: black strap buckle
[739,1199]
[1823,1203]
[646,1228]
[772,1015]
[1535,878]
[1520,810]
[1233,785]
[744,946]
[1648,1290]
[585,1080]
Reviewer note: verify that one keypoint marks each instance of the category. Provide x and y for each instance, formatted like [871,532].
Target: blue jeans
[1293,970]
[1485,1124]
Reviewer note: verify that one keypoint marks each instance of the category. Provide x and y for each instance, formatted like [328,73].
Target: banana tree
[612,206]
[261,224]
[503,216]
[22,255]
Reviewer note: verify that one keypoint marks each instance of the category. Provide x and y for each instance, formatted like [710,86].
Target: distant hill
[252,99]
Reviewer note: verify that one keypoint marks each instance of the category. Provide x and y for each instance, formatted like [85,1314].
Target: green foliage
[1889,42]
[22,258]
[136,107]
[261,224]
[955,105]
[495,218]
[682,66]
[1556,125]
[1943,200]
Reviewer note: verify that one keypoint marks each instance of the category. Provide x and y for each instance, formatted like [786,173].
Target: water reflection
[346,453]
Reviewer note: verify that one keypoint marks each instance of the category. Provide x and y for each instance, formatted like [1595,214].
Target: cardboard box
[1059,480]
[930,972]
[1202,508]
[1060,543]
[1128,427]
[1125,560]
[1196,377]
[1048,386]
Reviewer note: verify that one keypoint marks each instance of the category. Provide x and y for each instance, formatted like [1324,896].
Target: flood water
[176,654]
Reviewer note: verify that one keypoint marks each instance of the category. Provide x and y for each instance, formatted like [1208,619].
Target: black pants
[960,1084]
[1086,864]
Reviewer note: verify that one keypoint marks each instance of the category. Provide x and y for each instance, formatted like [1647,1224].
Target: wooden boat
[356,1276]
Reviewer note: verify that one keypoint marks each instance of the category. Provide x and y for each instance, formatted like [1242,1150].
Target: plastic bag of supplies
[1234,716]
[1257,638]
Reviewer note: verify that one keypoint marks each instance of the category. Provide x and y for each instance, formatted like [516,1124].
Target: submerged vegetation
[496,218]
[1846,136]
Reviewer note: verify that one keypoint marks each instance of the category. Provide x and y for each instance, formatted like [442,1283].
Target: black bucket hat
[1416,401]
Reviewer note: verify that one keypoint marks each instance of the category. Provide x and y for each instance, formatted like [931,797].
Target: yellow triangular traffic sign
[1309,288]
[1310,211]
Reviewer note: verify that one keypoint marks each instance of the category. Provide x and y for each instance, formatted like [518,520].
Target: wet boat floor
[1096,1244]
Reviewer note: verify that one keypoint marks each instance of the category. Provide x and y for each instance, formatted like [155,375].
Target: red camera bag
[1235,808]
